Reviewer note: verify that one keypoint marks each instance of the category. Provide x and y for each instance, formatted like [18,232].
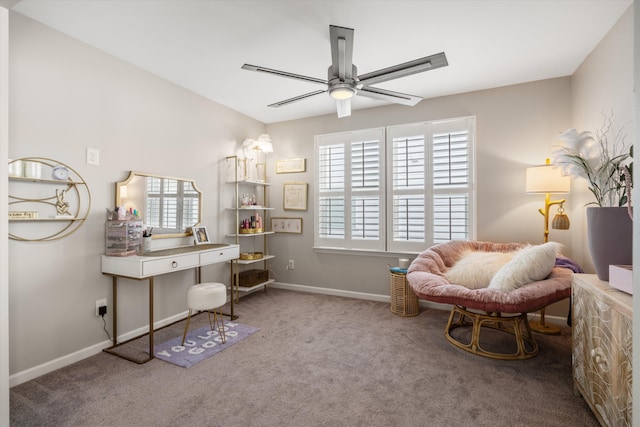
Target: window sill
[362,252]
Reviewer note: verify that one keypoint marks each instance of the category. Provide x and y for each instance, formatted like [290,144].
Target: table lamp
[547,179]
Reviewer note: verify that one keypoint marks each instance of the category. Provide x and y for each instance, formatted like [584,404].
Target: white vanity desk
[151,264]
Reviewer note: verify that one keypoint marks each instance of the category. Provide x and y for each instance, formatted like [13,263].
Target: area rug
[201,344]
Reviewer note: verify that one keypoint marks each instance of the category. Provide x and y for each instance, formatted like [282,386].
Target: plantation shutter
[430,184]
[408,186]
[452,187]
[350,174]
[331,210]
[428,191]
[164,211]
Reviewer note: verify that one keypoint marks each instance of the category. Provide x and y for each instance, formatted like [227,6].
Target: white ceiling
[201,44]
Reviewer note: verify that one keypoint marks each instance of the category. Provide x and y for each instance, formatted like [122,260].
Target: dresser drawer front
[219,255]
[167,265]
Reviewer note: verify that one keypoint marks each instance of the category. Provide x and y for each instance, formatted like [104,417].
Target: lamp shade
[263,144]
[546,179]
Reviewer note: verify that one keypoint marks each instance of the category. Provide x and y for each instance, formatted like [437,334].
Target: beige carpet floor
[317,360]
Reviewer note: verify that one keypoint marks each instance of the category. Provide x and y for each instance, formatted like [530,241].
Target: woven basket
[403,301]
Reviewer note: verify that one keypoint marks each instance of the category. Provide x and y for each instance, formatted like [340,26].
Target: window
[164,195]
[350,199]
[425,198]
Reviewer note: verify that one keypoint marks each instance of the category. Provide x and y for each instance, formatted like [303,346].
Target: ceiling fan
[343,82]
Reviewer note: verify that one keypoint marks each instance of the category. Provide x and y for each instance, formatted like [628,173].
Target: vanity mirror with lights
[170,205]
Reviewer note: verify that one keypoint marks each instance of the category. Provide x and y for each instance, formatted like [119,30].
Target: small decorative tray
[251,230]
[250,255]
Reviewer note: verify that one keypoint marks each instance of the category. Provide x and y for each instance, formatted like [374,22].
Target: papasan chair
[491,285]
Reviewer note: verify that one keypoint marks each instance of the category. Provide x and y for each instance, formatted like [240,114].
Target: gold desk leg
[114,321]
[542,327]
[151,356]
[112,349]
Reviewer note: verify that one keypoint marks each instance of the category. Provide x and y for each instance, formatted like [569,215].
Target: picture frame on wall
[295,196]
[286,225]
[201,235]
[291,165]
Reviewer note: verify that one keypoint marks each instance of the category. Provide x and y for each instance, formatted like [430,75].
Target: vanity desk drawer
[219,255]
[164,265]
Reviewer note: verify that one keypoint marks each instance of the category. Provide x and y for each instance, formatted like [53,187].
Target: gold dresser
[602,337]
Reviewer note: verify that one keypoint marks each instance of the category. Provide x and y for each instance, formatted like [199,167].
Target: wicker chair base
[460,317]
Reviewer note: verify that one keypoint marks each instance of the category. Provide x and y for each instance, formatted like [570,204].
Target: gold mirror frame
[132,175]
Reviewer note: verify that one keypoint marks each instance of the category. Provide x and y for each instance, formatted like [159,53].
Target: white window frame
[386,243]
[348,242]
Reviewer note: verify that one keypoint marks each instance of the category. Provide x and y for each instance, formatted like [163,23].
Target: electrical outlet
[93,156]
[291,265]
[100,303]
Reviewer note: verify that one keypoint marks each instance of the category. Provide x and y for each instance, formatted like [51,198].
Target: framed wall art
[295,196]
[291,165]
[286,225]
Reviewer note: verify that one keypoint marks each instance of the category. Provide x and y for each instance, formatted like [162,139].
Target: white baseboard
[66,360]
[556,320]
[61,362]
[329,291]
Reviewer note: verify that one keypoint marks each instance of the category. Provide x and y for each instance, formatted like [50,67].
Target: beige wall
[4,258]
[603,84]
[66,96]
[516,126]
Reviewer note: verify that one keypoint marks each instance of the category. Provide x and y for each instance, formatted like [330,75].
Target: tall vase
[610,234]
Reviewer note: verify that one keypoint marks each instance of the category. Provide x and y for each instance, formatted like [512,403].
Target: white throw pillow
[474,270]
[529,264]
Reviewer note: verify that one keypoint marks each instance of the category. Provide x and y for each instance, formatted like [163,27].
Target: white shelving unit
[236,175]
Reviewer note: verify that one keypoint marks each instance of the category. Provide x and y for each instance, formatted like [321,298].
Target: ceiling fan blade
[341,52]
[283,74]
[388,95]
[344,108]
[296,98]
[406,69]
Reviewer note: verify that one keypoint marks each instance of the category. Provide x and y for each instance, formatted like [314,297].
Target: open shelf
[255,287]
[253,261]
[251,208]
[250,234]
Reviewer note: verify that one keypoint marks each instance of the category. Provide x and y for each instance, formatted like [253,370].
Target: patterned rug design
[201,344]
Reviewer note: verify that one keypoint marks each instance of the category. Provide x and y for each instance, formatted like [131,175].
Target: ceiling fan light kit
[343,83]
[342,92]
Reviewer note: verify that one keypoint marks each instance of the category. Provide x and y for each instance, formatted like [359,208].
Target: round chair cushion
[427,278]
[206,296]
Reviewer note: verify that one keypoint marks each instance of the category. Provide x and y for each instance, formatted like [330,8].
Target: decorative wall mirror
[168,204]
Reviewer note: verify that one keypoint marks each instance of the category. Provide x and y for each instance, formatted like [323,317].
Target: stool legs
[186,327]
[217,320]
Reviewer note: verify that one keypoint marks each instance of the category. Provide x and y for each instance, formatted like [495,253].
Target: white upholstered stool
[209,297]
